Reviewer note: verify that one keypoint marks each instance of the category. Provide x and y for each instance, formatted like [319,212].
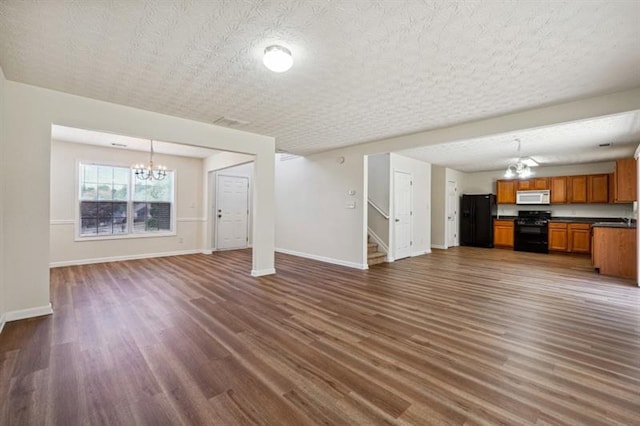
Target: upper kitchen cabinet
[577,189]
[598,188]
[533,184]
[626,184]
[506,190]
[558,186]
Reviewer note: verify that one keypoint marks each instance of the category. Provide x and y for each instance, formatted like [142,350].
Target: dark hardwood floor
[463,336]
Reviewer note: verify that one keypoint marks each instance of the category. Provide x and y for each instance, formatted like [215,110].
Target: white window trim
[130,235]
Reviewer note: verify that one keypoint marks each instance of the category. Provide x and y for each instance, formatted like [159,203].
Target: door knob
[397,220]
[219,215]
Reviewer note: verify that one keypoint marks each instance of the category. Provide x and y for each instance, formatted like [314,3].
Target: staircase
[373,255]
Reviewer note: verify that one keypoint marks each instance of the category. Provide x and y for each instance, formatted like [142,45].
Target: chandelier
[149,171]
[518,169]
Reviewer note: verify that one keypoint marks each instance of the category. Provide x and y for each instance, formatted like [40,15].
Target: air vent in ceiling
[118,145]
[605,145]
[230,122]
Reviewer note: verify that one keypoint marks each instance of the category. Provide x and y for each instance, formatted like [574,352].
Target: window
[113,202]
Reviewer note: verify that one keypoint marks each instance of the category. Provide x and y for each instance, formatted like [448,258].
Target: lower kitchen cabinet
[558,238]
[579,237]
[570,237]
[503,233]
[614,251]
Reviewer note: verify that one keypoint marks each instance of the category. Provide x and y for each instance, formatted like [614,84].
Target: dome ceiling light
[277,58]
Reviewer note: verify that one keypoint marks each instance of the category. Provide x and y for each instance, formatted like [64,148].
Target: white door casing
[452,213]
[232,212]
[402,206]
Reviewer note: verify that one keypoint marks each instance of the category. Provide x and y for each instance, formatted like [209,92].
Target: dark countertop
[614,225]
[586,219]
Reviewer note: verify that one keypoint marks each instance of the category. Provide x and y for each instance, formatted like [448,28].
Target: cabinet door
[579,238]
[525,185]
[558,239]
[577,189]
[612,187]
[541,183]
[598,188]
[503,233]
[558,186]
[626,180]
[506,190]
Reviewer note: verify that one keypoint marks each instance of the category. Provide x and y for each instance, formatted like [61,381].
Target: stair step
[375,258]
[372,247]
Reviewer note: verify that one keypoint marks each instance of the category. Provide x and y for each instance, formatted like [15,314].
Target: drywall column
[3,156]
[30,111]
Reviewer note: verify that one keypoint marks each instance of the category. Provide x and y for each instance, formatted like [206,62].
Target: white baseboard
[420,253]
[28,313]
[207,252]
[262,272]
[324,259]
[121,258]
[2,321]
[438,246]
[378,240]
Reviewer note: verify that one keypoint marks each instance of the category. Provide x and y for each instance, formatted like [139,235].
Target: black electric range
[532,231]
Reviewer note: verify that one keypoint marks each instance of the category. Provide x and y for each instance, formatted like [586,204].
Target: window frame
[130,232]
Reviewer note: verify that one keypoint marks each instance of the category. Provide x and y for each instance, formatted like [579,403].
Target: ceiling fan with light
[521,169]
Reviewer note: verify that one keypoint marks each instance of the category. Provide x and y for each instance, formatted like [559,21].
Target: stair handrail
[375,206]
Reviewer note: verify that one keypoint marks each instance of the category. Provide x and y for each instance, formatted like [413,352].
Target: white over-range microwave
[533,197]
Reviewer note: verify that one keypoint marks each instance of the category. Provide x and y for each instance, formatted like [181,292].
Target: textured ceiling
[568,143]
[89,137]
[363,70]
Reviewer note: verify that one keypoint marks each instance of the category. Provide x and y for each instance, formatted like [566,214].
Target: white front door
[232,212]
[452,213]
[402,199]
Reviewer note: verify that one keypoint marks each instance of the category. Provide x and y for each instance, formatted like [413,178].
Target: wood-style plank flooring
[463,336]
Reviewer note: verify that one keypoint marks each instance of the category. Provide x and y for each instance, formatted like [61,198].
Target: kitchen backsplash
[573,210]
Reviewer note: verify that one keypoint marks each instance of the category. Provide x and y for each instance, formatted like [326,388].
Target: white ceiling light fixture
[277,58]
[521,168]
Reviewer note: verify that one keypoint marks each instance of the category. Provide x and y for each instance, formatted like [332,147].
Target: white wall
[312,214]
[378,181]
[485,182]
[29,113]
[421,204]
[3,156]
[65,250]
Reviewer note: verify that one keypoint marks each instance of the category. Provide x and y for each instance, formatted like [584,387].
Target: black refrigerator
[476,220]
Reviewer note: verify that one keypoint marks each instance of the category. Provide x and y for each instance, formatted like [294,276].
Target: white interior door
[402,199]
[452,214]
[232,212]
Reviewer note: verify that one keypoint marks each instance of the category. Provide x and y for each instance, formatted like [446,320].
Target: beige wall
[65,250]
[29,113]
[3,156]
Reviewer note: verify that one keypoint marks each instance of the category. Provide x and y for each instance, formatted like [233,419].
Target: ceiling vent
[230,122]
[119,145]
[605,145]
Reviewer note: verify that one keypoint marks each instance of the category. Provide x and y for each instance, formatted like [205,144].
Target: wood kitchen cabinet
[525,185]
[506,190]
[626,181]
[614,251]
[579,235]
[540,183]
[598,188]
[558,186]
[558,237]
[577,189]
[612,187]
[503,233]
